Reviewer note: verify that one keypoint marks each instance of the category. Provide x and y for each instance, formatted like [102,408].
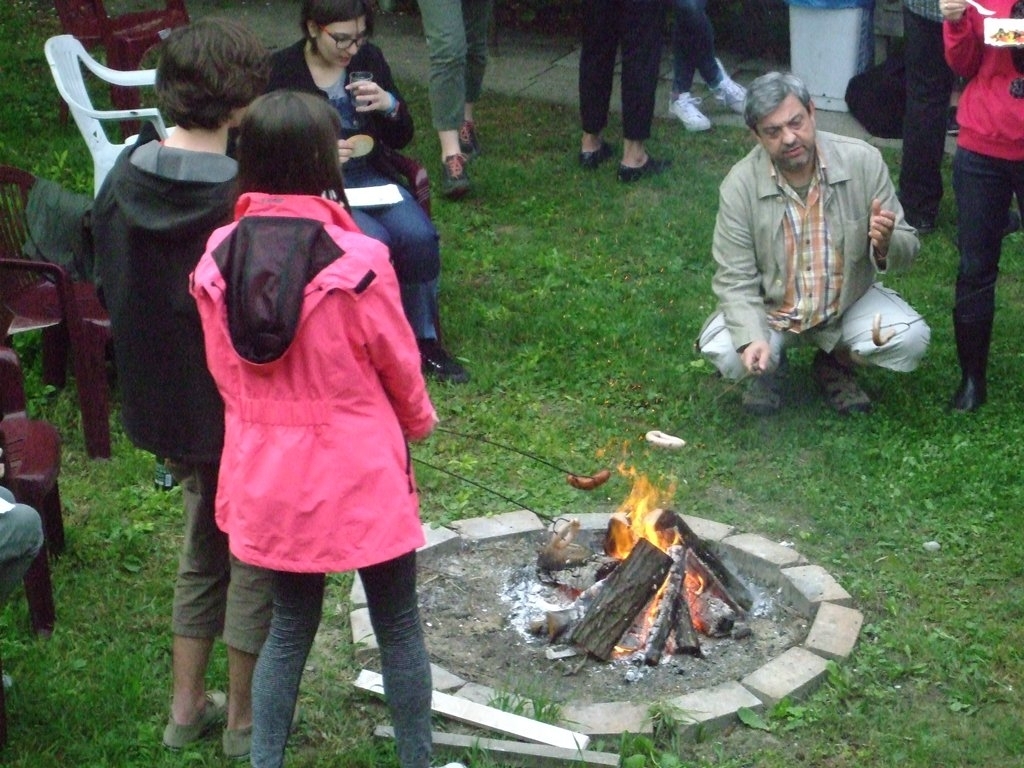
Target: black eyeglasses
[344,42]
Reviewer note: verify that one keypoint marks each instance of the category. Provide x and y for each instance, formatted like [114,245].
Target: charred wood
[668,608]
[737,593]
[685,636]
[709,613]
[627,590]
[710,582]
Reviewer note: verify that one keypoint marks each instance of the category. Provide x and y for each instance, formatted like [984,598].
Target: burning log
[732,589]
[627,590]
[561,624]
[711,609]
[685,635]
[668,608]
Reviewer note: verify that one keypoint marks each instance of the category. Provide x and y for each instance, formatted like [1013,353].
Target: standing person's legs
[214,595]
[984,188]
[200,593]
[600,43]
[298,606]
[445,30]
[394,613]
[693,46]
[476,15]
[929,86]
[640,34]
[247,617]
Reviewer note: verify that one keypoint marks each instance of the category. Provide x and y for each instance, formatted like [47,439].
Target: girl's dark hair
[324,12]
[288,145]
[207,70]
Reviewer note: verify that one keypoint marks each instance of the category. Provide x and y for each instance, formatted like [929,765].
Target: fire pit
[481,602]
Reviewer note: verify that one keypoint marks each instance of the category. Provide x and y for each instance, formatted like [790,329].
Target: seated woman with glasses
[335,44]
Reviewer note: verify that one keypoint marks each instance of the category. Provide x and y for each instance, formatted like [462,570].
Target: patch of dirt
[476,606]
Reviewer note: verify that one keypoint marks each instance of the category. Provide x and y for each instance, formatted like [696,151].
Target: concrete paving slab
[834,632]
[499,526]
[714,707]
[440,541]
[761,557]
[794,674]
[807,586]
[610,718]
[443,680]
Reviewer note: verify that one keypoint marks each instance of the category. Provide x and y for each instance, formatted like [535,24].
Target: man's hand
[880,228]
[756,357]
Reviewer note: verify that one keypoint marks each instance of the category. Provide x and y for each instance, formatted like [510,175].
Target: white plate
[373,197]
[1004,32]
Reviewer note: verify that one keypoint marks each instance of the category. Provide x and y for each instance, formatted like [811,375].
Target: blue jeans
[984,187]
[456,32]
[414,244]
[394,614]
[693,46]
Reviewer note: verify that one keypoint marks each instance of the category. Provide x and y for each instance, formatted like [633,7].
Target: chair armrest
[55,273]
[126,77]
[12,388]
[149,114]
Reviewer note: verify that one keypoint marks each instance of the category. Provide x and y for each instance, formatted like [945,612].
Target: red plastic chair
[41,296]
[32,465]
[125,38]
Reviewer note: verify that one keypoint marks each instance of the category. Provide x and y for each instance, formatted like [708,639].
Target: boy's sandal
[213,713]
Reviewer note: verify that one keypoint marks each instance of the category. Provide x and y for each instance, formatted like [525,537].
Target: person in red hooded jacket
[988,170]
[320,376]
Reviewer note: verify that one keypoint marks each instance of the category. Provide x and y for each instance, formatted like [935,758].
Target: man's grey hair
[768,91]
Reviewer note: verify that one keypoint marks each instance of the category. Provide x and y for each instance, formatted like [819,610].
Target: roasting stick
[582,482]
[482,487]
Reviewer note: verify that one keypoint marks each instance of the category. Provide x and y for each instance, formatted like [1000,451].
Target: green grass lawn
[574,301]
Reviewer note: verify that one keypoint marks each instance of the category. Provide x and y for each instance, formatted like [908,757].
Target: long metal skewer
[482,487]
[483,439]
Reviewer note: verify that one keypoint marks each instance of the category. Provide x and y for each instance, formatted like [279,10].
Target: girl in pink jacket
[320,376]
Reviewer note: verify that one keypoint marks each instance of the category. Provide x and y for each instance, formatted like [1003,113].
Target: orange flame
[637,516]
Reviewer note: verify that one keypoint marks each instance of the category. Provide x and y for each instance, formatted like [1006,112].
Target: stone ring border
[795,674]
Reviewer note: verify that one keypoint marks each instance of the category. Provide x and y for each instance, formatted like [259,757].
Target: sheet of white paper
[370,197]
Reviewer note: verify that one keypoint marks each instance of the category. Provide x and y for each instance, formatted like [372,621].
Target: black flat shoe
[590,160]
[651,168]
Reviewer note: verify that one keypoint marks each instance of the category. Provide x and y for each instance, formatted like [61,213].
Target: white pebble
[932,546]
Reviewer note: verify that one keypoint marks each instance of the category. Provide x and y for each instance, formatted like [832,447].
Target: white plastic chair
[66,55]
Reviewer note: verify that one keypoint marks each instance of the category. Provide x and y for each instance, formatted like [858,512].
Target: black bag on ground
[877,96]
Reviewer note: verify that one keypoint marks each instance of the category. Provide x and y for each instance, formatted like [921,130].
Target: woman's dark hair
[288,145]
[324,12]
[207,70]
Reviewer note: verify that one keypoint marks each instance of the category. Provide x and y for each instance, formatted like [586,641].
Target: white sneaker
[729,92]
[685,108]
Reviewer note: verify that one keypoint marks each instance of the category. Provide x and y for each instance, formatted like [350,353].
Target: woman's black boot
[972,342]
